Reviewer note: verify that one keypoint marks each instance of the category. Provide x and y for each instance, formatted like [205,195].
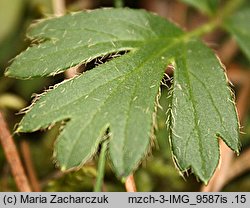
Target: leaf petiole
[217,21]
[101,167]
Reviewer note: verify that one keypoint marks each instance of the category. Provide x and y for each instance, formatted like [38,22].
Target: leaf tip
[237,151]
[19,129]
[205,181]
[63,168]
[7,73]
[123,179]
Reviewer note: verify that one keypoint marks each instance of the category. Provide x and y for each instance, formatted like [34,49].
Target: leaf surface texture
[120,94]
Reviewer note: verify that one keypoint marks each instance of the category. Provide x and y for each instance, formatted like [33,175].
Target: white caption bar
[120,200]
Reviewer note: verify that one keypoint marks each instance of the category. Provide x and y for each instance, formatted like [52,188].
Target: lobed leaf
[83,36]
[120,95]
[202,111]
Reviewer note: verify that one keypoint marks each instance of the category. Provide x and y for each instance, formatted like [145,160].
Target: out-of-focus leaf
[206,6]
[11,101]
[144,182]
[81,180]
[44,6]
[239,26]
[10,15]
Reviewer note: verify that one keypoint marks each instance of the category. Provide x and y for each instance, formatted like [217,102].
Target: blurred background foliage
[157,172]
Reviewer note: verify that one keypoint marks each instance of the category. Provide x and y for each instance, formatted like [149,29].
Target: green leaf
[82,37]
[206,6]
[120,94]
[239,26]
[200,113]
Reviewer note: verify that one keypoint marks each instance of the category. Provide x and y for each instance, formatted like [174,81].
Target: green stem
[101,167]
[229,8]
[204,29]
[118,3]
